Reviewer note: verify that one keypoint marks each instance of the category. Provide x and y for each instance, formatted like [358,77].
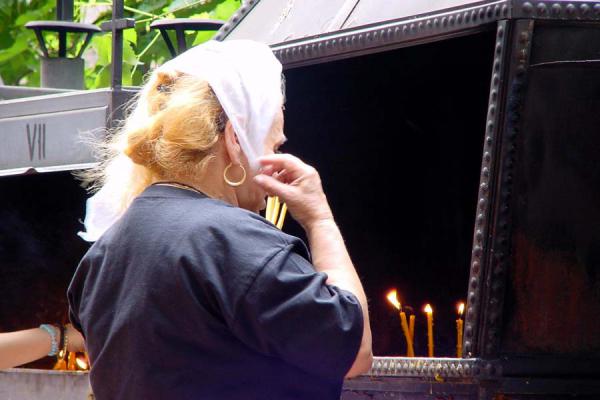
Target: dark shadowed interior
[39,249]
[397,138]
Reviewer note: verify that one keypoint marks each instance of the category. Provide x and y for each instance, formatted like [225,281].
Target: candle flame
[81,363]
[392,297]
[428,309]
[461,308]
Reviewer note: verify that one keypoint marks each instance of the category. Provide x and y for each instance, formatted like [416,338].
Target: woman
[191,294]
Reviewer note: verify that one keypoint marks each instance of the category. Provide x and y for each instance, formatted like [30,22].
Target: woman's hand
[75,340]
[298,185]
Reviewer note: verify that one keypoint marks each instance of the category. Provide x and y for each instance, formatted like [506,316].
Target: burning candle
[71,361]
[459,330]
[429,311]
[393,299]
[411,329]
[61,364]
[81,363]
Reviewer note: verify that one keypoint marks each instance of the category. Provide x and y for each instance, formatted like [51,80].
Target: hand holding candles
[459,330]
[429,311]
[273,214]
[393,299]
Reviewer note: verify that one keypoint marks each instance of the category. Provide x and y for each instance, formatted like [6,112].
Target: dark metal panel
[498,258]
[276,21]
[408,388]
[481,235]
[565,10]
[387,36]
[377,11]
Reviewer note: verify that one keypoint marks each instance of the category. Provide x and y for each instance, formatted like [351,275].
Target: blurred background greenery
[142,48]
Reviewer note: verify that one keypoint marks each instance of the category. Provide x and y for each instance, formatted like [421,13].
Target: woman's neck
[210,185]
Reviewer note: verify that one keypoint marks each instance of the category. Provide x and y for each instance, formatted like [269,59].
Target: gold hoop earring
[231,183]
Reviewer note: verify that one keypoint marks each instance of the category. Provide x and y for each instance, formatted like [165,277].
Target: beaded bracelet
[52,332]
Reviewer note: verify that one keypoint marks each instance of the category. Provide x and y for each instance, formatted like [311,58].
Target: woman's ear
[232,145]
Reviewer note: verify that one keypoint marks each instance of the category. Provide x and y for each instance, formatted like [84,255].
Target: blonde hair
[170,132]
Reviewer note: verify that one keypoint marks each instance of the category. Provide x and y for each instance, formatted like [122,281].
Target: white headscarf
[246,78]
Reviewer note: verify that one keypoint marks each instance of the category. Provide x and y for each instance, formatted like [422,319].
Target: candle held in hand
[429,311]
[459,330]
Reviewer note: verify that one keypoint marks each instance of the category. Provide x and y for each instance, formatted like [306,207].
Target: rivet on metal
[474,283]
[556,9]
[585,9]
[469,332]
[479,220]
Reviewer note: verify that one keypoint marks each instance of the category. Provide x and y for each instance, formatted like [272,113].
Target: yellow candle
[275,211]
[393,299]
[61,364]
[459,330]
[410,352]
[411,329]
[429,311]
[269,210]
[282,216]
[71,361]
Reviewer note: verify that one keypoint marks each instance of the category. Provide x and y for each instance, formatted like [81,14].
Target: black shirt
[187,297]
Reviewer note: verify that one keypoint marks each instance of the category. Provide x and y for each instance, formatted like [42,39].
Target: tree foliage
[143,48]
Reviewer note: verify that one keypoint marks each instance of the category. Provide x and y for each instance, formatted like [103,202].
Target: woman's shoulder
[243,229]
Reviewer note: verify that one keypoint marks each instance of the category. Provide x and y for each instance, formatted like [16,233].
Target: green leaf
[203,15]
[129,56]
[152,5]
[102,45]
[225,10]
[130,35]
[103,77]
[126,77]
[19,46]
[202,37]
[35,15]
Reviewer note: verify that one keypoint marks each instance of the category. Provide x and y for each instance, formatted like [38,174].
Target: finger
[272,186]
[281,161]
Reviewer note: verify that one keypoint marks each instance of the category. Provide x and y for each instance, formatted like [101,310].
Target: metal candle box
[457,142]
